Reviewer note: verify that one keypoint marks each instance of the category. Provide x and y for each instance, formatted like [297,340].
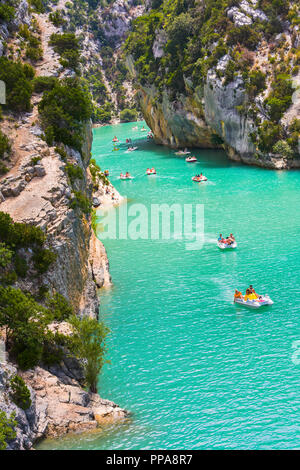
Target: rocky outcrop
[59,404]
[38,191]
[175,123]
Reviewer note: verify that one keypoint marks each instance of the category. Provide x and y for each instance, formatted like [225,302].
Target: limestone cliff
[226,77]
[38,190]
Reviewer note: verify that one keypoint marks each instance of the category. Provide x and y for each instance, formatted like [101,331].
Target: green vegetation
[7,429]
[41,84]
[20,393]
[18,79]
[5,149]
[97,174]
[67,46]
[282,148]
[63,110]
[57,18]
[33,51]
[128,115]
[59,307]
[194,36]
[280,98]
[7,12]
[74,172]
[42,259]
[38,6]
[88,345]
[80,201]
[5,255]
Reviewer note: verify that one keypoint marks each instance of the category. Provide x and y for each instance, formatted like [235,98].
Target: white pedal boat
[199,179]
[257,303]
[132,149]
[191,159]
[225,246]
[182,152]
[123,177]
[149,173]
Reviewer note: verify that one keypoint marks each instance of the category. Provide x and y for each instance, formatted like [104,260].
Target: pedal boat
[257,303]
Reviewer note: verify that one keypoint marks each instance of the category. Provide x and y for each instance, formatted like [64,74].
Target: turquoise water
[196,371]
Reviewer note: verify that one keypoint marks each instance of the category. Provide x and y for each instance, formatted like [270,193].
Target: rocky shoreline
[37,191]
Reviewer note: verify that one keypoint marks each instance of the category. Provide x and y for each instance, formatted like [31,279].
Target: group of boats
[251,299]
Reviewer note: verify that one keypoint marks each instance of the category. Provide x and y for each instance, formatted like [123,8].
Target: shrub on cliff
[244,35]
[19,392]
[7,12]
[42,259]
[269,133]
[280,97]
[28,338]
[5,255]
[81,202]
[74,172]
[128,115]
[88,345]
[283,149]
[59,308]
[63,109]
[5,146]
[67,46]
[7,429]
[18,235]
[18,79]
[24,324]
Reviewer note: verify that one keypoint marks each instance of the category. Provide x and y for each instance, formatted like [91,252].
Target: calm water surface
[196,371]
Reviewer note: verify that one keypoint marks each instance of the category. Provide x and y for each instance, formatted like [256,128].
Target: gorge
[221,76]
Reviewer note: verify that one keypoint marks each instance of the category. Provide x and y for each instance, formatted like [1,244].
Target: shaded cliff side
[225,73]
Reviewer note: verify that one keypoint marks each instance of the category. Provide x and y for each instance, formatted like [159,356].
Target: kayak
[199,179]
[191,159]
[257,303]
[225,246]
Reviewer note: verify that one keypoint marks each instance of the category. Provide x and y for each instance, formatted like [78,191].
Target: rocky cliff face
[207,86]
[37,190]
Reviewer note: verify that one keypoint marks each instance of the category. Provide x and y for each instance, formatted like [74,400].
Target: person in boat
[248,295]
[238,295]
[254,293]
[143,128]
[106,173]
[127,174]
[220,239]
[231,239]
[251,295]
